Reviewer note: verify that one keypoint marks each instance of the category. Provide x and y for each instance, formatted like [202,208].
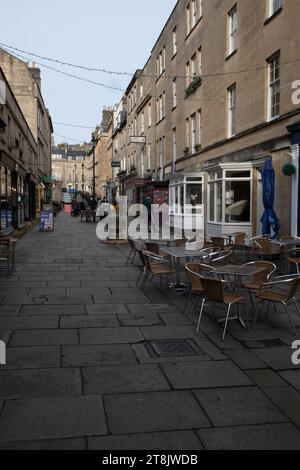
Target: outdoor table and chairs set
[214,273]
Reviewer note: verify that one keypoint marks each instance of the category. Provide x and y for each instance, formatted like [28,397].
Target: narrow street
[95,363]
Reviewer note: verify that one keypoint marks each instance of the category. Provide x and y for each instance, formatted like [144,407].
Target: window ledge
[161,120]
[174,55]
[159,77]
[231,55]
[270,18]
[174,107]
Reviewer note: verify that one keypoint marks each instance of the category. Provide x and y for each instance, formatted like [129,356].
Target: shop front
[6,201]
[134,190]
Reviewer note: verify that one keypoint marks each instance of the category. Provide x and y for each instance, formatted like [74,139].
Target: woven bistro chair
[257,280]
[218,242]
[134,246]
[193,272]
[214,291]
[294,258]
[155,248]
[157,266]
[239,242]
[265,248]
[222,258]
[287,299]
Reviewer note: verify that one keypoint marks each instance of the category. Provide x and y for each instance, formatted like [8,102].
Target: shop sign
[47,219]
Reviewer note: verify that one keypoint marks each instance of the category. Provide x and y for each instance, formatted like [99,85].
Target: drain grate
[173,348]
[40,300]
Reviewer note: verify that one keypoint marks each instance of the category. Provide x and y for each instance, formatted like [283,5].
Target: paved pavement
[93,362]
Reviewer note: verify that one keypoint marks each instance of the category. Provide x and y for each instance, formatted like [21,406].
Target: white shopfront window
[230,199]
[186,200]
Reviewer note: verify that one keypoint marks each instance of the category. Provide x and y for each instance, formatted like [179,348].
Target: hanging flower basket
[288,169]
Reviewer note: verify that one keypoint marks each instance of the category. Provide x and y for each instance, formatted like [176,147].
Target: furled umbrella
[269,220]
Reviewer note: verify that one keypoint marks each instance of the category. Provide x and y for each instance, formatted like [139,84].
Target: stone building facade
[18,163]
[213,101]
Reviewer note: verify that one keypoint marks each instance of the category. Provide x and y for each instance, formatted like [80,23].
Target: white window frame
[200,127]
[274,6]
[149,157]
[174,93]
[232,30]
[174,144]
[175,41]
[193,132]
[273,85]
[149,114]
[188,20]
[194,13]
[187,133]
[231,112]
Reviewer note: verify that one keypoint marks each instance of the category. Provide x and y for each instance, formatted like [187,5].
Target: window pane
[238,174]
[194,194]
[219,200]
[237,201]
[212,202]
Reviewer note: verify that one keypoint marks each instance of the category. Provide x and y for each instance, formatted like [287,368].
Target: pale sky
[116,35]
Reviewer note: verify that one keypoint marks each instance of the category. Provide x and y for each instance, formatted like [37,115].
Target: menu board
[46,221]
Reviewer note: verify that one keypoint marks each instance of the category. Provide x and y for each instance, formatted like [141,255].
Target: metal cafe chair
[294,258]
[156,266]
[214,291]
[276,296]
[193,270]
[134,246]
[258,279]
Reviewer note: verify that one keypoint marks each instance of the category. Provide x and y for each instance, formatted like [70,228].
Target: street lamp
[82,178]
[94,140]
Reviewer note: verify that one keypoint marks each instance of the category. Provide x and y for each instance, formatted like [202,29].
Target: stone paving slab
[59,444]
[52,418]
[205,375]
[10,310]
[88,321]
[52,309]
[28,323]
[123,379]
[105,309]
[170,332]
[40,383]
[278,358]
[246,359]
[149,319]
[32,357]
[97,355]
[266,378]
[172,441]
[239,407]
[292,377]
[151,308]
[124,335]
[151,412]
[263,437]
[44,337]
[288,400]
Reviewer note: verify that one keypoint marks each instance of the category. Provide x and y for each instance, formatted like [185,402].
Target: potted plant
[195,83]
[186,151]
[288,169]
[197,147]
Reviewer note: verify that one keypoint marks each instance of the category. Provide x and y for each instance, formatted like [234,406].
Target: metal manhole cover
[173,348]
